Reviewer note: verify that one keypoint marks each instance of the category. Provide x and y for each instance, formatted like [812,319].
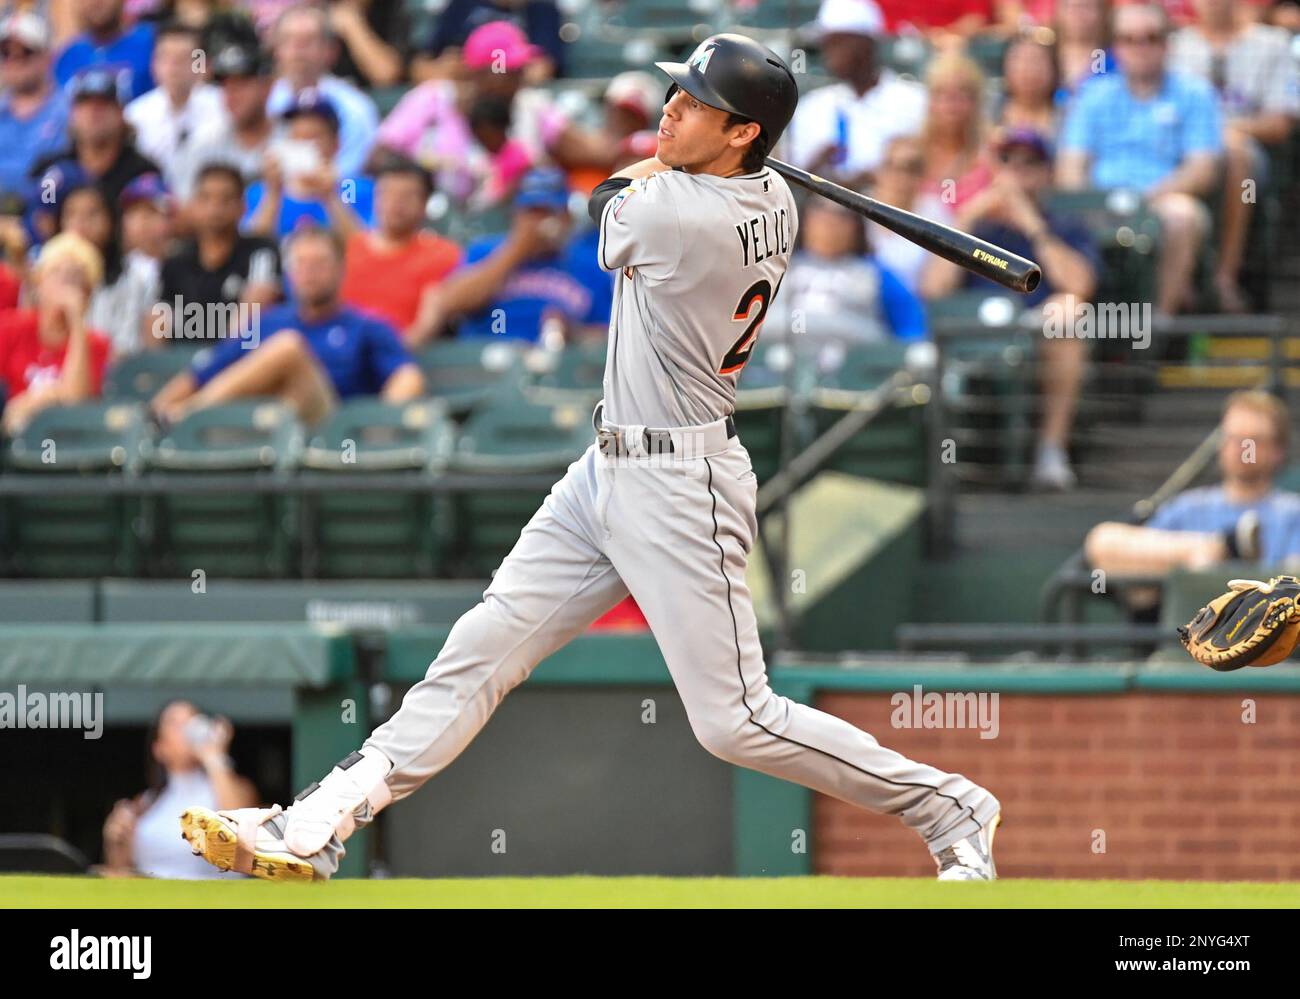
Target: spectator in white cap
[33,112]
[841,130]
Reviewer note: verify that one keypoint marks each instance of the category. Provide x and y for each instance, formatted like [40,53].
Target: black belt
[611,442]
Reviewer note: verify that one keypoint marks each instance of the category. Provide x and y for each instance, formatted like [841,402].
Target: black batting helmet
[739,75]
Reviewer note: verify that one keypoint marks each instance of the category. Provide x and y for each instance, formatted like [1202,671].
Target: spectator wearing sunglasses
[33,112]
[1154,131]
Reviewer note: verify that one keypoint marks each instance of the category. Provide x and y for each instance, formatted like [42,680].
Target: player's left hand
[1253,624]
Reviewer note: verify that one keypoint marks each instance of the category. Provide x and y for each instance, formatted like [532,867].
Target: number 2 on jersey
[760,294]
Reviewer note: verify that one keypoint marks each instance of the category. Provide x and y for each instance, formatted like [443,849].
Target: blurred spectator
[33,112]
[537,20]
[121,301]
[304,53]
[300,182]
[241,135]
[1083,44]
[1252,71]
[188,766]
[1009,213]
[841,130]
[512,285]
[148,213]
[373,40]
[1030,80]
[1284,14]
[219,265]
[166,117]
[899,180]
[632,105]
[101,146]
[956,131]
[310,352]
[392,270]
[508,159]
[13,250]
[837,290]
[1246,517]
[1153,131]
[49,355]
[431,123]
[107,42]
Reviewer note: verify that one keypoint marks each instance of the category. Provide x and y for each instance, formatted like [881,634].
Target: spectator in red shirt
[956,131]
[937,18]
[391,269]
[48,356]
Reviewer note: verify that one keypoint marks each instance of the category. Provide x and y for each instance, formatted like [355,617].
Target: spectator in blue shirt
[1154,131]
[1009,213]
[1246,517]
[310,352]
[107,41]
[301,183]
[33,112]
[510,285]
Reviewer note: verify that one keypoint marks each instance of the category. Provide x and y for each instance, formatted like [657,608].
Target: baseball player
[660,506]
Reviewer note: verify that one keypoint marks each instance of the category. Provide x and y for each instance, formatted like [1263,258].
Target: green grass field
[584,892]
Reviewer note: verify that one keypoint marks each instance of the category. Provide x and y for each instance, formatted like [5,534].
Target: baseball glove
[1253,624]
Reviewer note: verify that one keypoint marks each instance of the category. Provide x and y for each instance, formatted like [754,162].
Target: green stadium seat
[669,18]
[55,534]
[223,532]
[510,436]
[892,446]
[774,370]
[368,434]
[88,437]
[594,57]
[573,376]
[987,51]
[771,15]
[463,374]
[397,533]
[1127,235]
[986,379]
[906,55]
[138,377]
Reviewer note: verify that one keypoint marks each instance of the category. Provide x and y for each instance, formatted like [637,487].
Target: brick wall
[1181,786]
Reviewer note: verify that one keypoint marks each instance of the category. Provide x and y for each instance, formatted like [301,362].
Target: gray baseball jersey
[700,258]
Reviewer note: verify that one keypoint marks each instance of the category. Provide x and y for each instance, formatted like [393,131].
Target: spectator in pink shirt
[431,124]
[956,131]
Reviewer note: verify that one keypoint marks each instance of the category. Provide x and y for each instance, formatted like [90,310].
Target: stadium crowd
[163,159]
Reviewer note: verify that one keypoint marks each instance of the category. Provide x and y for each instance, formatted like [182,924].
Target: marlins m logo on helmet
[700,60]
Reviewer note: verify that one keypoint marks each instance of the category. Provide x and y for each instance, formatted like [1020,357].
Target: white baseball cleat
[970,859]
[351,794]
[246,840]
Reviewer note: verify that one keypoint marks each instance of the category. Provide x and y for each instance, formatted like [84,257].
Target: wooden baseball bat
[961,248]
